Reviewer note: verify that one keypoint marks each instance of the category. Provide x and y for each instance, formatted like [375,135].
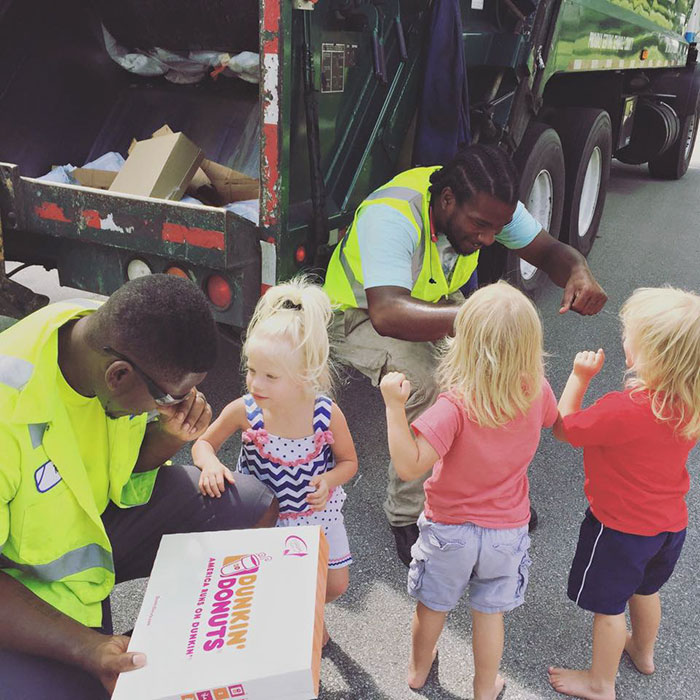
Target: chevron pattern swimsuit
[287,465]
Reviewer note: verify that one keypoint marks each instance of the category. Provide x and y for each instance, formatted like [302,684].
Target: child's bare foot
[643,661]
[580,684]
[493,693]
[418,675]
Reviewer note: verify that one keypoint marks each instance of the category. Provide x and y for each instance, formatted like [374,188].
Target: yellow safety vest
[409,194]
[51,534]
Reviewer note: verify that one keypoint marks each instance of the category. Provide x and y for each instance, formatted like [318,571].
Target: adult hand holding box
[232,615]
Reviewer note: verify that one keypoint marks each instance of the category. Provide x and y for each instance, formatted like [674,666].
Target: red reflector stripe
[49,210]
[92,218]
[200,237]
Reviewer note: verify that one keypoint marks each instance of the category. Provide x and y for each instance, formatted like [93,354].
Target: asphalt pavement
[649,236]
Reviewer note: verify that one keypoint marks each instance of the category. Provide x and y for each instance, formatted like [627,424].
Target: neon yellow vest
[409,194]
[51,534]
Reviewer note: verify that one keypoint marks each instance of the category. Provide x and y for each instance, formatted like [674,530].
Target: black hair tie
[289,304]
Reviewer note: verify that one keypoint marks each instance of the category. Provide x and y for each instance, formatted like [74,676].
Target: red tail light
[219,292]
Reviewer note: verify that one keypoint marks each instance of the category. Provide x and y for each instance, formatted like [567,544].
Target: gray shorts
[448,558]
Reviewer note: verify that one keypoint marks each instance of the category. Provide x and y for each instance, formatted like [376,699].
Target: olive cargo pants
[358,345]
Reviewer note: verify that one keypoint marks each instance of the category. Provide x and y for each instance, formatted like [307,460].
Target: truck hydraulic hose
[319,221]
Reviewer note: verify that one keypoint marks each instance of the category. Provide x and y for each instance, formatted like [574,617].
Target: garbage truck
[329,115]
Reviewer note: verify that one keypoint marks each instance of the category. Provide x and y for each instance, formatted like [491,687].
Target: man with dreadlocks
[94,398]
[414,243]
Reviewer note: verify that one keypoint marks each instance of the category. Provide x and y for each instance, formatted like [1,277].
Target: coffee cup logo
[295,547]
[240,565]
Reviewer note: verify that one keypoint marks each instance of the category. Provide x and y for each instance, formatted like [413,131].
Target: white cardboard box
[232,615]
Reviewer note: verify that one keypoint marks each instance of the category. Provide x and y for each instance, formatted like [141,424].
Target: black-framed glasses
[162,398]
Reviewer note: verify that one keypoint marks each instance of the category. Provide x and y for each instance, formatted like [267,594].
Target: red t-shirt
[481,476]
[636,476]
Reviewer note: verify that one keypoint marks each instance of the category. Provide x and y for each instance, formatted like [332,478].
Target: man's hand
[395,388]
[588,363]
[187,420]
[583,294]
[567,268]
[108,657]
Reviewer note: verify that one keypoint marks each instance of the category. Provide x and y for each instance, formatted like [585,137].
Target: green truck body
[333,118]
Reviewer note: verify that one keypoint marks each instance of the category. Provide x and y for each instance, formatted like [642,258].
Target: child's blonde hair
[662,328]
[300,312]
[495,362]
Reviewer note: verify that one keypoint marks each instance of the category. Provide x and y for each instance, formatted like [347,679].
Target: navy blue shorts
[610,566]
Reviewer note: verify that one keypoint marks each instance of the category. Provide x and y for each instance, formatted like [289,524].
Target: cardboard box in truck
[159,167]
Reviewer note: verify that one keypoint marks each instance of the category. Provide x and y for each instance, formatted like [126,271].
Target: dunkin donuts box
[232,615]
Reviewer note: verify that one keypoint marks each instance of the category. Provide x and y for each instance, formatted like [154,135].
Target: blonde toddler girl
[480,435]
[635,448]
[295,438]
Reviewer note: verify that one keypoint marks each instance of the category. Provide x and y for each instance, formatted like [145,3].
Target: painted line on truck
[597,64]
[200,237]
[270,176]
[268,254]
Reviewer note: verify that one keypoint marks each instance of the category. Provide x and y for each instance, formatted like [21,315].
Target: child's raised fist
[395,388]
[588,363]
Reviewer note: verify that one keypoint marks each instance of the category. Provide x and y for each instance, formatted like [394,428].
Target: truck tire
[673,164]
[540,161]
[586,137]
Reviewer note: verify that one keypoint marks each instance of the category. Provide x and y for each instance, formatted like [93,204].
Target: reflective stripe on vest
[358,289]
[36,433]
[14,371]
[91,556]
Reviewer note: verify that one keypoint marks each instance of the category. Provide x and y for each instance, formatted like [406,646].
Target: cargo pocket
[442,538]
[523,575]
[415,576]
[517,546]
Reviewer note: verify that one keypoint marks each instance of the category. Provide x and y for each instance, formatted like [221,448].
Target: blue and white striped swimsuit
[287,466]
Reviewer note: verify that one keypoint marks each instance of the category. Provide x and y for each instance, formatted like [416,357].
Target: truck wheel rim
[590,191]
[689,140]
[539,204]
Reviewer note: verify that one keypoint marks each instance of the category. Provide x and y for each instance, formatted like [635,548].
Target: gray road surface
[650,235]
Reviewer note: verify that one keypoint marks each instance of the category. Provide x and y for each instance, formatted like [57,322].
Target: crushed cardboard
[229,184]
[213,183]
[99,179]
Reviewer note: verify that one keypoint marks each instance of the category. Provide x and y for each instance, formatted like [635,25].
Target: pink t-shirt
[481,476]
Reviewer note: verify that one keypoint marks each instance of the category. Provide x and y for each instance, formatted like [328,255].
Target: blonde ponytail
[299,312]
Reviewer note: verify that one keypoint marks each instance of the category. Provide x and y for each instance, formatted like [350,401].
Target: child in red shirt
[635,448]
[481,435]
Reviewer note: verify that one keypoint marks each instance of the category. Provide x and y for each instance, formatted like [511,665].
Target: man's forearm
[563,261]
[30,625]
[412,319]
[157,447]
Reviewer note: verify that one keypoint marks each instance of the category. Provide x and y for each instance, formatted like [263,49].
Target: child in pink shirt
[480,437]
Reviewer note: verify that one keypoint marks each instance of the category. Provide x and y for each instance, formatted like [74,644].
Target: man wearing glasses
[93,400]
